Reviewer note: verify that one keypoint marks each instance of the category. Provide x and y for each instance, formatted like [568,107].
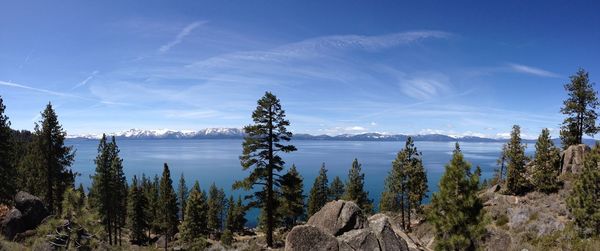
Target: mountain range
[236,133]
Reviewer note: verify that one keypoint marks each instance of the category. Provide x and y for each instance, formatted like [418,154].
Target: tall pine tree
[7,169]
[216,208]
[50,160]
[580,108]
[167,205]
[355,188]
[583,202]
[406,184]
[546,163]
[263,141]
[456,210]
[292,197]
[319,193]
[138,219]
[182,194]
[516,183]
[195,225]
[336,189]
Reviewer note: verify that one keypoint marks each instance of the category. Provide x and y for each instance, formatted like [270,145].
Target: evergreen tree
[547,164]
[194,224]
[355,188]
[262,142]
[138,219]
[182,194]
[456,210]
[516,183]
[406,184]
[292,198]
[583,202]
[49,161]
[319,193]
[119,190]
[168,205]
[7,169]
[336,189]
[230,222]
[216,208]
[239,215]
[580,109]
[82,195]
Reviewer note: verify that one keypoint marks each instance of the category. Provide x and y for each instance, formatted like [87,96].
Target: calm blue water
[208,160]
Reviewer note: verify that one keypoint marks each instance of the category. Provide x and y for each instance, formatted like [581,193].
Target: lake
[216,160]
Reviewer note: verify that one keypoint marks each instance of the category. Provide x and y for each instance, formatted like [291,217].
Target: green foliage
[138,218]
[547,164]
[580,108]
[108,193]
[227,237]
[336,189]
[456,210]
[46,168]
[262,142]
[150,188]
[182,195]
[584,200]
[406,184]
[239,215]
[292,198]
[355,188]
[319,192]
[216,208]
[8,172]
[167,205]
[231,210]
[196,210]
[516,183]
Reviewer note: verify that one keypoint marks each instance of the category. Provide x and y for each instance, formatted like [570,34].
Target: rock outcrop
[573,158]
[28,213]
[340,225]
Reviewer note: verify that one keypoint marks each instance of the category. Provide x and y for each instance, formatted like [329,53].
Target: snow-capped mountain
[236,133]
[170,134]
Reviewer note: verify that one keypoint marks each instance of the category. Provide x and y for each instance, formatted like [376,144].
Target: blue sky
[451,67]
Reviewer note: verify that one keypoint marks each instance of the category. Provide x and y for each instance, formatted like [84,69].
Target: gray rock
[308,237]
[338,217]
[32,209]
[12,224]
[362,239]
[388,239]
[573,157]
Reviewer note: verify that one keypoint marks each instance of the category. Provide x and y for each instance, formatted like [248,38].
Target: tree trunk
[270,184]
[402,206]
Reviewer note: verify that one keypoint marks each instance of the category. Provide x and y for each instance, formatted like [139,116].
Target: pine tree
[456,210]
[49,161]
[230,221]
[501,162]
[119,190]
[240,216]
[319,192]
[182,194]
[355,188]
[194,224]
[516,183]
[262,143]
[336,189]
[216,208]
[547,164]
[7,169]
[292,198]
[580,109]
[82,195]
[583,202]
[168,205]
[138,219]
[406,184]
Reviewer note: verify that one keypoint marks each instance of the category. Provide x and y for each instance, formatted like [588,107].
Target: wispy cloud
[15,85]
[425,87]
[180,36]
[532,71]
[85,81]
